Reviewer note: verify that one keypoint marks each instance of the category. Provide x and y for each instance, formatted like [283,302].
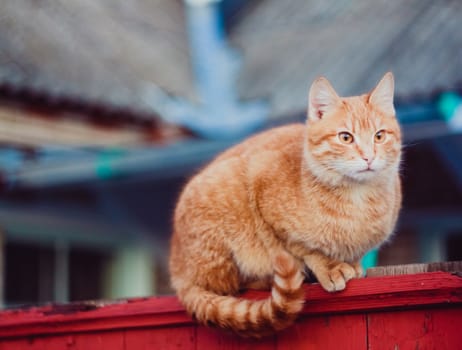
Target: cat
[316,195]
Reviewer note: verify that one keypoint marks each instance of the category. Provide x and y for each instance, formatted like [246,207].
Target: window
[32,274]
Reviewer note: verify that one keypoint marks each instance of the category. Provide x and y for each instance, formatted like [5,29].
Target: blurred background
[107,107]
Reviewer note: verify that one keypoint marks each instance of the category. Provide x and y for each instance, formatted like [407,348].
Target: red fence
[422,311]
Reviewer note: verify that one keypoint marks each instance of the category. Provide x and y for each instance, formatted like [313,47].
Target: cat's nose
[369,159]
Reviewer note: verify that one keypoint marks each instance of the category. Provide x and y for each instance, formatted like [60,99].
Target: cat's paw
[359,269]
[335,279]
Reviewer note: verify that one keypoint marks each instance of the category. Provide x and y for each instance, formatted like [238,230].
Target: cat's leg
[331,274]
[358,268]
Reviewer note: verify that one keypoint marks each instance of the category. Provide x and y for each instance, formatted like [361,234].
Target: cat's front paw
[359,269]
[335,279]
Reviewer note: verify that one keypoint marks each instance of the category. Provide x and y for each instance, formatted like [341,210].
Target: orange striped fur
[292,197]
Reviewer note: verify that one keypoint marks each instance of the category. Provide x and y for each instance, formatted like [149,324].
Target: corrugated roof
[112,51]
[286,44]
[96,50]
[107,54]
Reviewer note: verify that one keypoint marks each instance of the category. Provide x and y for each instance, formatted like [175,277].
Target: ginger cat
[318,195]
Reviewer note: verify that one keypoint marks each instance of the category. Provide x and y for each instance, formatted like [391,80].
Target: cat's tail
[252,318]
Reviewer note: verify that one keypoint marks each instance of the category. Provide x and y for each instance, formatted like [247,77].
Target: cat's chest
[349,225]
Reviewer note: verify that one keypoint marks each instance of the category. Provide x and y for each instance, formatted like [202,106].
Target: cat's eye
[345,137]
[380,136]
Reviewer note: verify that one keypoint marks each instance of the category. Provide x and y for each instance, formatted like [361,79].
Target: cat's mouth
[368,170]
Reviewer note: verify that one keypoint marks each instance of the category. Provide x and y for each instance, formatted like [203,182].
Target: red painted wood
[387,292]
[131,313]
[328,321]
[362,294]
[18,344]
[416,329]
[208,338]
[382,292]
[96,341]
[48,343]
[81,341]
[346,332]
[160,338]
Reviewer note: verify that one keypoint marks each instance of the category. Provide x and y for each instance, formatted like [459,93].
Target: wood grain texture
[132,313]
[383,292]
[416,329]
[367,294]
[346,332]
[160,338]
[208,338]
[422,311]
[449,266]
[81,341]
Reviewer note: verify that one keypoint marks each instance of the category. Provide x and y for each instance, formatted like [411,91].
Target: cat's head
[352,138]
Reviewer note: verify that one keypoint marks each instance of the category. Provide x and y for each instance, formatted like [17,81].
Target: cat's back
[226,179]
[274,150]
[278,139]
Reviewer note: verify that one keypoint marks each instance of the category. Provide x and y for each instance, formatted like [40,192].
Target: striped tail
[252,318]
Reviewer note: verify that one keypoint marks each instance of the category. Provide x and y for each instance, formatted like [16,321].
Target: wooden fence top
[361,295]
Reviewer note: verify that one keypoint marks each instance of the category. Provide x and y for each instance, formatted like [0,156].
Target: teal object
[370,259]
[104,166]
[448,103]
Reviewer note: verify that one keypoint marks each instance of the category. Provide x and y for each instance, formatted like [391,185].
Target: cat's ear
[382,95]
[322,98]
